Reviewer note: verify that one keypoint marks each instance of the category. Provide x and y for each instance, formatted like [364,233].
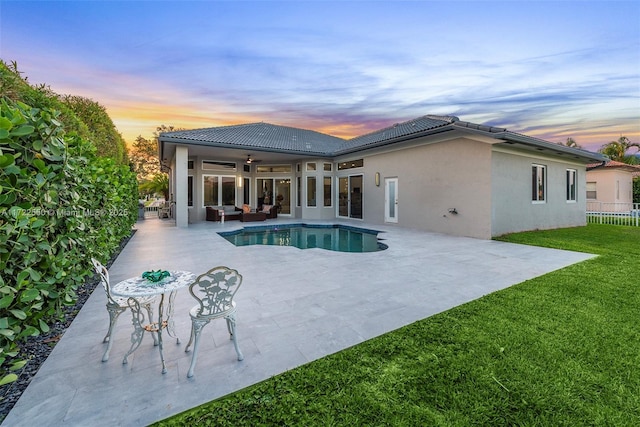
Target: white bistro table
[136,287]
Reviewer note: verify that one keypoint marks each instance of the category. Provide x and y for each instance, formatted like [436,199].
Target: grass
[558,350]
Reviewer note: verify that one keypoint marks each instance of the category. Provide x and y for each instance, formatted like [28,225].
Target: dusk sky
[548,69]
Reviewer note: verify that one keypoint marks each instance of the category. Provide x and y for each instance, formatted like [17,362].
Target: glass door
[265,192]
[343,197]
[350,196]
[275,191]
[283,195]
[391,199]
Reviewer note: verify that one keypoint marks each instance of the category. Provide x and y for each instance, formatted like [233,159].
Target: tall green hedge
[81,115]
[60,205]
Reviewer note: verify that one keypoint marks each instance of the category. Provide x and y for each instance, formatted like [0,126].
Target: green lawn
[559,350]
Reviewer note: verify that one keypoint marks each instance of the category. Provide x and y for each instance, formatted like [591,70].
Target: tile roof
[614,164]
[400,130]
[276,138]
[262,135]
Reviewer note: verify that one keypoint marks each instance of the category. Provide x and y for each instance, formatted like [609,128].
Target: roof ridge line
[447,119]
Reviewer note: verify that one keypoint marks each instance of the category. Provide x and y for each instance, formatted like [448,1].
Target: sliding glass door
[275,191]
[350,196]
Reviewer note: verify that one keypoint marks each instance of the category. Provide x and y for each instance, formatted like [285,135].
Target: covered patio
[294,306]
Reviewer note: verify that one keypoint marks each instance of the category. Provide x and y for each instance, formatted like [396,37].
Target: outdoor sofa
[233,213]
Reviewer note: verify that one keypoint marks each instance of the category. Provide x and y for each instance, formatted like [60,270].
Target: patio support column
[181,210]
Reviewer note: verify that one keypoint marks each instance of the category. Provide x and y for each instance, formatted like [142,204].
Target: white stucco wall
[513,209]
[431,180]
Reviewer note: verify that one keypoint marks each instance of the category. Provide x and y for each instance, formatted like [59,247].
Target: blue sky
[548,69]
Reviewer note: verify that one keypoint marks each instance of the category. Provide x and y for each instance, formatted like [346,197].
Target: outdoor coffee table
[136,287]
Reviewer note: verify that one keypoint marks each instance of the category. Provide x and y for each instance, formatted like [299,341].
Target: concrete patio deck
[294,306]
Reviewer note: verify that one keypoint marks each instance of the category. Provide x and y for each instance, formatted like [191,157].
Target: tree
[572,143]
[144,158]
[103,133]
[146,164]
[636,189]
[617,150]
[158,184]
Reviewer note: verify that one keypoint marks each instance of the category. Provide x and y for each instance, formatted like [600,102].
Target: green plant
[158,184]
[59,206]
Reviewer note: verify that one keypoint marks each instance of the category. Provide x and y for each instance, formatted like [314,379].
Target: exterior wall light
[377,178]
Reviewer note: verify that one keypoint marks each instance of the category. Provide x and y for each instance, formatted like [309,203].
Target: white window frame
[309,193]
[192,179]
[324,196]
[572,184]
[592,190]
[219,188]
[535,196]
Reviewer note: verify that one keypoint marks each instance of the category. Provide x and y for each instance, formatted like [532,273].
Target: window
[311,191]
[617,190]
[539,183]
[214,165]
[328,167]
[327,191]
[350,165]
[592,194]
[245,191]
[311,166]
[211,190]
[219,190]
[299,191]
[190,164]
[274,169]
[571,185]
[190,191]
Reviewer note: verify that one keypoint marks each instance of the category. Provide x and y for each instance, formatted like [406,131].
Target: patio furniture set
[243,214]
[213,291]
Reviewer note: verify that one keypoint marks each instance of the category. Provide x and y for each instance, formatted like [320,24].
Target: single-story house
[433,173]
[610,183]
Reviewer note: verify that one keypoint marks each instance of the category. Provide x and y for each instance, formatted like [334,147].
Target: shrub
[59,206]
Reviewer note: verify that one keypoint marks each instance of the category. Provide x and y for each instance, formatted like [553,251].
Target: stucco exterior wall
[432,179]
[319,211]
[612,185]
[513,209]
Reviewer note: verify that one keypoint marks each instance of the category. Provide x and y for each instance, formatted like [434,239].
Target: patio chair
[164,211]
[117,305]
[214,291]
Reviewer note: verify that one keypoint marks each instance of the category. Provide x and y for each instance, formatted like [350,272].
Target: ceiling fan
[250,160]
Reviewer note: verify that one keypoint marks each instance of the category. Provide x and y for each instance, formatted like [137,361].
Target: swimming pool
[304,236]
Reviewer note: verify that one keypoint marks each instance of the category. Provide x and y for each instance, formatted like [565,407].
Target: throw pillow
[246,209]
[266,208]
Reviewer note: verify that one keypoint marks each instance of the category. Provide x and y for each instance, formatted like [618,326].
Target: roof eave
[214,144]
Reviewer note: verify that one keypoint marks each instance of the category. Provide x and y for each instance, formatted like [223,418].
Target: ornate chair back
[104,279]
[214,290]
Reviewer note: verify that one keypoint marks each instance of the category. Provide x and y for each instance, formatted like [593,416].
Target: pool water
[303,236]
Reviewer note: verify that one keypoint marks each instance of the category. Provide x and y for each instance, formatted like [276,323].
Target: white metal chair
[117,305]
[214,291]
[164,211]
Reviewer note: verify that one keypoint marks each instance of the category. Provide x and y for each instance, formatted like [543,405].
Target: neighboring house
[610,182]
[433,173]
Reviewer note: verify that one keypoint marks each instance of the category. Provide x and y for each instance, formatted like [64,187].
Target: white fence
[151,211]
[613,213]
